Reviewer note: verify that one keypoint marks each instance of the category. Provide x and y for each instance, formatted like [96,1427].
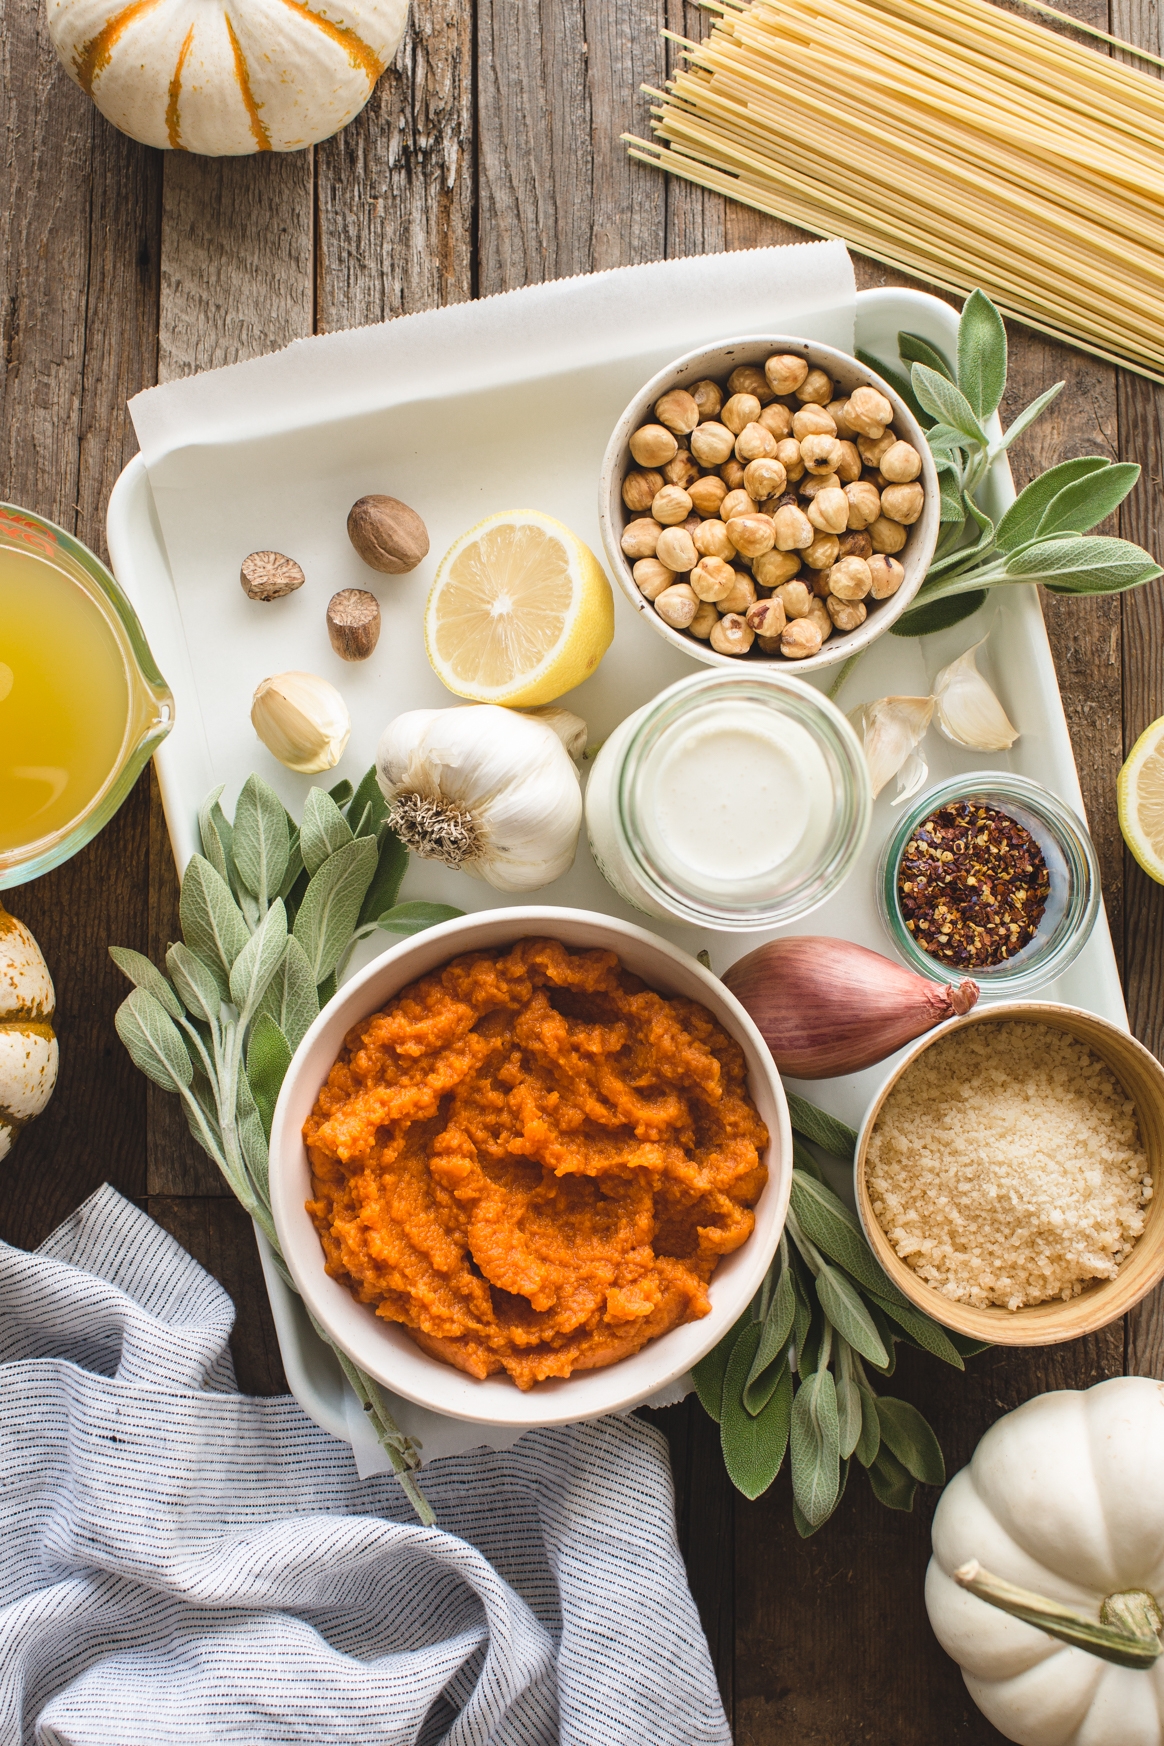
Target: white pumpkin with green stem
[1048,1568]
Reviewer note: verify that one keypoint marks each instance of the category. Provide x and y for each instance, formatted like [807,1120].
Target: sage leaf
[842,1304]
[1084,503]
[911,1439]
[943,440]
[268,1058]
[252,1139]
[869,1440]
[143,974]
[212,923]
[945,400]
[753,1446]
[892,1485]
[822,1129]
[952,511]
[849,1409]
[709,1373]
[888,1335]
[331,905]
[392,860]
[899,383]
[815,1438]
[801,1314]
[323,831]
[803,1160]
[981,354]
[922,1332]
[827,1221]
[367,800]
[965,1345]
[413,918]
[195,982]
[291,999]
[938,615]
[1022,518]
[1093,564]
[1029,414]
[775,1332]
[341,793]
[262,840]
[153,1040]
[916,350]
[258,961]
[215,831]
[295,870]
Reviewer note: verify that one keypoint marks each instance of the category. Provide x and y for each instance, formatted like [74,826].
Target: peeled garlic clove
[890,730]
[969,714]
[302,720]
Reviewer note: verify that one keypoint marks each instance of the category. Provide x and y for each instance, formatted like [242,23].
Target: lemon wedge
[520,611]
[1140,800]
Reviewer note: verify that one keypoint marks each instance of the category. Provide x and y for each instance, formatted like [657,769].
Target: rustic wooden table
[489,158]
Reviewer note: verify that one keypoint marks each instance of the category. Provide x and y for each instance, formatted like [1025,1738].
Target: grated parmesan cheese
[1006,1166]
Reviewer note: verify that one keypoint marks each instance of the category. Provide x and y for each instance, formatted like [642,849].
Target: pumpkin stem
[1126,1632]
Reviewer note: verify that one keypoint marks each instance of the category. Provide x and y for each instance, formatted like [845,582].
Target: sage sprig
[794,1372]
[270,913]
[1043,536]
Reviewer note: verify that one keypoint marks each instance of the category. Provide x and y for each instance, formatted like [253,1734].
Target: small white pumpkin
[28,1044]
[201,76]
[1064,1498]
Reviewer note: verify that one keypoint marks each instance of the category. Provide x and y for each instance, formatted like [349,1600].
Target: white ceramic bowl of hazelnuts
[769,500]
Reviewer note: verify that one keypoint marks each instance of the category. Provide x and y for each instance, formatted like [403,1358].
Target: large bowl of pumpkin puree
[530,1166]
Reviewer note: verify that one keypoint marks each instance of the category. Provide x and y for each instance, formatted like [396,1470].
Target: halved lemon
[1140,800]
[520,611]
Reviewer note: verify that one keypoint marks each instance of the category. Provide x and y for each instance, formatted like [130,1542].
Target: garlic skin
[486,789]
[891,730]
[968,712]
[302,720]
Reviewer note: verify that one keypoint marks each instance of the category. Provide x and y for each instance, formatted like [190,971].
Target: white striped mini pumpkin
[223,80]
[28,1044]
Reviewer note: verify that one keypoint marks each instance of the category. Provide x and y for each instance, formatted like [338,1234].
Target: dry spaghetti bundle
[944,137]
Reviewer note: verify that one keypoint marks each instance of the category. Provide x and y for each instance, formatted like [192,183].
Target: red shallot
[827,1007]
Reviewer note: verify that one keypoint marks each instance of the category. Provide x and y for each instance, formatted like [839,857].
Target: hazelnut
[823,552]
[653,445]
[772,568]
[269,575]
[864,502]
[845,614]
[793,530]
[677,605]
[795,598]
[692,523]
[829,511]
[388,535]
[712,540]
[814,483]
[749,379]
[777,419]
[640,539]
[856,545]
[801,639]
[754,443]
[788,454]
[887,574]
[766,617]
[868,411]
[740,410]
[812,420]
[849,465]
[681,469]
[886,535]
[850,579]
[871,449]
[705,620]
[712,579]
[353,623]
[741,596]
[671,505]
[678,411]
[818,616]
[732,635]
[676,549]
[816,387]
[820,454]
[708,396]
[737,503]
[752,535]
[707,494]
[836,411]
[903,503]
[764,478]
[732,474]
[785,372]
[638,490]
[901,463]
[712,443]
[651,577]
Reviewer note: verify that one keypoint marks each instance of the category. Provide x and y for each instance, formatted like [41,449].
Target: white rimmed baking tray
[504,459]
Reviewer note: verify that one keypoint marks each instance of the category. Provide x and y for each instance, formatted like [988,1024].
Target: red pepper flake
[972,885]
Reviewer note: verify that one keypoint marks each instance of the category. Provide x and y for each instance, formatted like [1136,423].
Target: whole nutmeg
[707,494]
[677,605]
[732,635]
[712,443]
[639,490]
[747,379]
[708,396]
[678,411]
[903,503]
[388,535]
[269,575]
[785,372]
[887,574]
[353,623]
[800,639]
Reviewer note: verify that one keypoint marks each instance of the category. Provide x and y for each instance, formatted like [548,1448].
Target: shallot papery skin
[827,1007]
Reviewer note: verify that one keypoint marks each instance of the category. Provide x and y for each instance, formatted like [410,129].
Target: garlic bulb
[485,789]
[301,719]
[968,712]
[891,730]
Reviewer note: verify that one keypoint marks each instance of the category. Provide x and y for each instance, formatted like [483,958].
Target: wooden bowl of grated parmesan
[1008,1174]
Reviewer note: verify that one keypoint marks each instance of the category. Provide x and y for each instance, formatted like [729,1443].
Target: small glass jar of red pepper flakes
[972,885]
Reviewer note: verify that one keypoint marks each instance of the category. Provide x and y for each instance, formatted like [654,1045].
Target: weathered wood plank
[219,1234]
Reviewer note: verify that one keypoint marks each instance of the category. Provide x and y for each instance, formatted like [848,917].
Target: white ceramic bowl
[718,362]
[385,1351]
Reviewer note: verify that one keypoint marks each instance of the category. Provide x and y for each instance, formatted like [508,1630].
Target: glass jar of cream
[734,801]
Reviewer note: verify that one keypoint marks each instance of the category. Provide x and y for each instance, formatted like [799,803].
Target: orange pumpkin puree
[533,1162]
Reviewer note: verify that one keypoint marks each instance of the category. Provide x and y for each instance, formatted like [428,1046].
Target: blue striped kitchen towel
[182,1563]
